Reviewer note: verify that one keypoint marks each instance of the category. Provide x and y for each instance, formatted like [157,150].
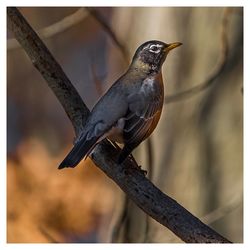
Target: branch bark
[52,72]
[55,28]
[130,179]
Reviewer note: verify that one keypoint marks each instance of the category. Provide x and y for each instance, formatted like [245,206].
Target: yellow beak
[171,46]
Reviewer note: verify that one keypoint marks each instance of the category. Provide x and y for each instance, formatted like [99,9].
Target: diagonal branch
[52,72]
[55,28]
[130,179]
[223,210]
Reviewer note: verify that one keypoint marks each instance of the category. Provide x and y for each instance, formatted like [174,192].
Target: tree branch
[130,179]
[223,210]
[52,72]
[99,18]
[55,28]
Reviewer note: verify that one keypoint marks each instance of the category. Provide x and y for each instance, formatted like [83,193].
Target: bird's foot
[144,172]
[138,168]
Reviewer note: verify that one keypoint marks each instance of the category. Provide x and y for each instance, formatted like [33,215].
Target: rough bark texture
[129,178]
[46,64]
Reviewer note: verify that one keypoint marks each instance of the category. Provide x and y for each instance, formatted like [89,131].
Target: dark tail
[80,149]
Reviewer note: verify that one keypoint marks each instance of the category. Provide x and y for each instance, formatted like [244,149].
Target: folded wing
[142,117]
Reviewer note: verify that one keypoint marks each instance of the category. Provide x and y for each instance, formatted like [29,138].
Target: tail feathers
[80,149]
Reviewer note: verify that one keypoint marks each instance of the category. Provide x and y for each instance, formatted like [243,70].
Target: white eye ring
[155,51]
[153,47]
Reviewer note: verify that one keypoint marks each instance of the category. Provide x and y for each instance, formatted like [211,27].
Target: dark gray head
[152,54]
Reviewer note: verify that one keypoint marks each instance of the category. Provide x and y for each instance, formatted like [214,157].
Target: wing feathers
[143,114]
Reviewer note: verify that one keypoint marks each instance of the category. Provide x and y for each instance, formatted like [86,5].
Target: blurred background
[195,154]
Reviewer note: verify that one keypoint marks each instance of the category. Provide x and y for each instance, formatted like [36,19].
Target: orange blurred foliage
[45,204]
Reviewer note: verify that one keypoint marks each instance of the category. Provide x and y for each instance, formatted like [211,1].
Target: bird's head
[151,55]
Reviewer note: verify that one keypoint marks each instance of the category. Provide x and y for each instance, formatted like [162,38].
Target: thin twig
[99,18]
[47,235]
[131,180]
[222,211]
[55,28]
[217,70]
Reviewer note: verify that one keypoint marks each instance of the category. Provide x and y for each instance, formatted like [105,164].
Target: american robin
[130,110]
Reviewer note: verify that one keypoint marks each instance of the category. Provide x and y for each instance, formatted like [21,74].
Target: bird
[130,109]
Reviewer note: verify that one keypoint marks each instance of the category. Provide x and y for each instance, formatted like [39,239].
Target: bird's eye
[155,49]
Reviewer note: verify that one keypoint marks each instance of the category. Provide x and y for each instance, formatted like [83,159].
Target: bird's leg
[131,159]
[115,145]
